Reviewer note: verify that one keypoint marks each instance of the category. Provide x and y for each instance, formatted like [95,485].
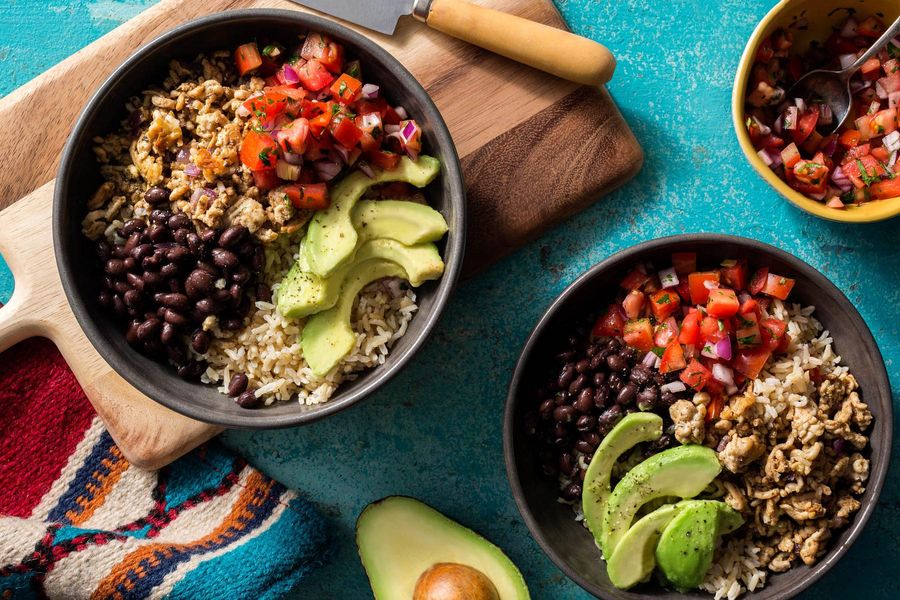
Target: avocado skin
[331,238]
[683,471]
[630,431]
[398,538]
[687,544]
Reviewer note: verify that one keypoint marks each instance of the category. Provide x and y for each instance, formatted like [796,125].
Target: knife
[552,50]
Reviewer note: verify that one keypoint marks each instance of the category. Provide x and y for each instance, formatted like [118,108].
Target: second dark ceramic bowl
[568,543]
[79,177]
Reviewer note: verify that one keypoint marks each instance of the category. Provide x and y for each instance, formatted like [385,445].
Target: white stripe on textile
[18,537]
[130,499]
[172,579]
[76,460]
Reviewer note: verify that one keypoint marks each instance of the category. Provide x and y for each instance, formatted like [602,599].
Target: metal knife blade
[380,15]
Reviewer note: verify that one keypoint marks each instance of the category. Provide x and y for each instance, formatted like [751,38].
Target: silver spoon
[833,87]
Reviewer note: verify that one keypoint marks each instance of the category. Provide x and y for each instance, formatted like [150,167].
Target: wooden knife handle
[552,50]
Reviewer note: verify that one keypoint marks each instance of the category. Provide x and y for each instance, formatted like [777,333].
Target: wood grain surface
[535,150]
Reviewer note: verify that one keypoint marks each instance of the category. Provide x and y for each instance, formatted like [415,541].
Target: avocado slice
[327,336]
[407,222]
[630,431]
[687,544]
[683,471]
[303,293]
[400,538]
[634,558]
[331,238]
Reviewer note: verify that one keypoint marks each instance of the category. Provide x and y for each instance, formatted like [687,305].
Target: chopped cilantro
[864,175]
[342,88]
[664,299]
[747,341]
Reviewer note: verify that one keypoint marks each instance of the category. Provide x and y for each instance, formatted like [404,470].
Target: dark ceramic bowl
[79,177]
[568,543]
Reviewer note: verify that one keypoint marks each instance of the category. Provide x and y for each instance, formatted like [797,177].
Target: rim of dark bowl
[453,254]
[881,386]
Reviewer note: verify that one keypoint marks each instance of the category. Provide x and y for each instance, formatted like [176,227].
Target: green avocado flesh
[687,544]
[327,336]
[303,293]
[407,222]
[634,559]
[683,472]
[399,538]
[331,238]
[630,431]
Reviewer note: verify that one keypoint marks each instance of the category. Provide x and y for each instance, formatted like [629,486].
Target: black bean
[560,430]
[221,296]
[200,342]
[585,401]
[263,293]
[585,423]
[243,307]
[582,366]
[151,278]
[664,441]
[640,374]
[572,491]
[104,298]
[546,408]
[177,302]
[566,464]
[627,393]
[241,275]
[838,445]
[566,375]
[615,382]
[245,249]
[119,252]
[193,242]
[178,254]
[179,221]
[609,418]
[130,264]
[613,344]
[232,324]
[564,414]
[598,361]
[115,267]
[158,233]
[224,259]
[121,287]
[616,362]
[191,371]
[176,318]
[205,266]
[141,251]
[667,399]
[237,385]
[156,195]
[232,236]
[248,400]
[169,270]
[176,352]
[235,291]
[180,236]
[592,438]
[647,398]
[578,384]
[566,356]
[150,263]
[198,283]
[583,447]
[132,226]
[103,250]
[131,335]
[149,329]
[601,396]
[132,299]
[209,236]
[168,334]
[208,306]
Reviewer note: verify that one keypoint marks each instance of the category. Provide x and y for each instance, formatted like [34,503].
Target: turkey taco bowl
[706,413]
[259,218]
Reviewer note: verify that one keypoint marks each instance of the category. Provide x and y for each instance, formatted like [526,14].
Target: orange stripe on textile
[99,490]
[257,489]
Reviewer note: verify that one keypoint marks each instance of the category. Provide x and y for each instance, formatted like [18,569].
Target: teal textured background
[435,431]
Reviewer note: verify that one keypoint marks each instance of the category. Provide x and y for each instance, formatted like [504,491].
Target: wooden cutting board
[534,151]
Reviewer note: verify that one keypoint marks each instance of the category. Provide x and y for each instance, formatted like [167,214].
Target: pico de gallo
[792,136]
[713,326]
[315,119]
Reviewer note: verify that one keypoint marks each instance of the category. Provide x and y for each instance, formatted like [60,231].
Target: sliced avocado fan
[331,238]
[407,222]
[629,432]
[399,538]
[633,560]
[683,472]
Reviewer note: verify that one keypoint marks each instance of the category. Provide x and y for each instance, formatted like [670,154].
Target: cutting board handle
[549,49]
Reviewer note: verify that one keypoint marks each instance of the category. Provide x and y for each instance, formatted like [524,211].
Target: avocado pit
[453,581]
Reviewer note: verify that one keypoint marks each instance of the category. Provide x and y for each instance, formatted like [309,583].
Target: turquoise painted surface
[434,432]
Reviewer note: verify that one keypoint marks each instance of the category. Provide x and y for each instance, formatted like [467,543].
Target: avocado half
[399,538]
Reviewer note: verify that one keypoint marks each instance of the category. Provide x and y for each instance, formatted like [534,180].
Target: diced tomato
[684,290]
[723,303]
[849,139]
[318,148]
[293,136]
[258,151]
[247,58]
[806,124]
[695,375]
[886,188]
[773,331]
[266,179]
[862,170]
[881,153]
[323,50]
[699,291]
[749,306]
[664,303]
[314,76]
[610,324]
[634,280]
[345,132]
[778,286]
[871,27]
[267,106]
[318,125]
[684,262]
[783,345]
[384,159]
[735,276]
[346,88]
[884,122]
[690,329]
[638,334]
[790,156]
[307,196]
[665,332]
[310,109]
[810,177]
[750,361]
[747,333]
[672,358]
[765,53]
[714,330]
[633,304]
[758,282]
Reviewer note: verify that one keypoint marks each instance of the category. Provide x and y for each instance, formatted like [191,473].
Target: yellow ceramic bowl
[822,16]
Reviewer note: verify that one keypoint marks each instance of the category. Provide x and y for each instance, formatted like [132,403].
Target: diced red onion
[401,112]
[286,170]
[847,60]
[294,159]
[778,125]
[674,387]
[409,130]
[689,350]
[287,75]
[192,170]
[790,118]
[892,159]
[184,155]
[710,284]
[831,147]
[763,128]
[764,155]
[327,169]
[657,363]
[723,349]
[890,84]
[731,389]
[390,128]
[370,91]
[668,278]
[323,93]
[366,169]
[709,350]
[894,100]
[817,196]
[880,91]
[801,104]
[649,359]
[840,179]
[343,152]
[369,121]
[849,29]
[892,141]
[198,193]
[743,297]
[775,157]
[722,373]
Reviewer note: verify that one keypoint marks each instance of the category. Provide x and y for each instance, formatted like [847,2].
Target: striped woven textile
[77,521]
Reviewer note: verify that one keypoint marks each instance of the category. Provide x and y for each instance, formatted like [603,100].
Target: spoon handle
[887,36]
